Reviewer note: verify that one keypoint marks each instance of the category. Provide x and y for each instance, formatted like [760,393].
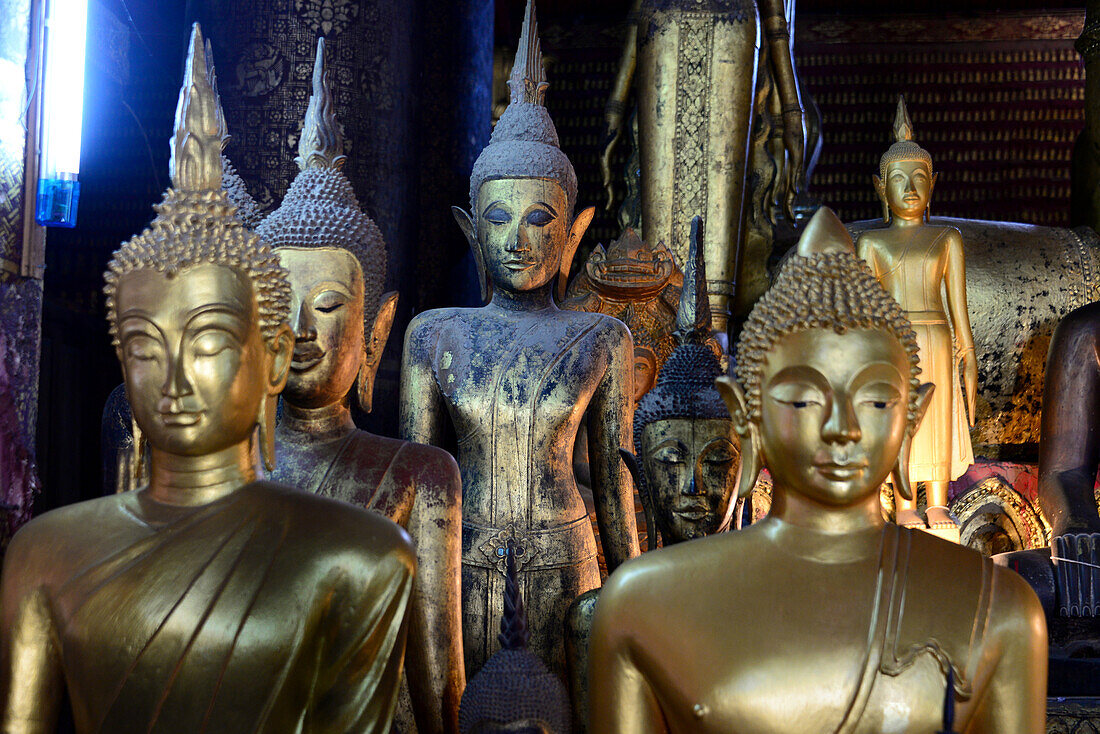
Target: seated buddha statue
[205,601]
[822,617]
[336,261]
[915,261]
[516,376]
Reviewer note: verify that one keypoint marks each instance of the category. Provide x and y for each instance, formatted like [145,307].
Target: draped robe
[268,610]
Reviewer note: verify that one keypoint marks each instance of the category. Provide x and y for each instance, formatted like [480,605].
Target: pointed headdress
[196,223]
[320,209]
[685,386]
[905,148]
[524,143]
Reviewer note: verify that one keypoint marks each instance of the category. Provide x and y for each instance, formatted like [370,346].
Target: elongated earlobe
[469,229]
[747,431]
[880,189]
[576,233]
[635,469]
[899,476]
[375,344]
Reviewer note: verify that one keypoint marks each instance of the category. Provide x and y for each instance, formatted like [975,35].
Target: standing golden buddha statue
[206,601]
[914,260]
[516,376]
[695,64]
[336,261]
[857,625]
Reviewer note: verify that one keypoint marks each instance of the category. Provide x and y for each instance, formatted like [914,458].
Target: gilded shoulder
[436,470]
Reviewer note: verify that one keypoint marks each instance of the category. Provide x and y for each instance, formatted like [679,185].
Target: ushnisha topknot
[320,209]
[524,143]
[826,285]
[196,223]
[905,148]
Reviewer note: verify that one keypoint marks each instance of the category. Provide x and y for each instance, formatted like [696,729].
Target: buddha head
[523,189]
[827,396]
[336,260]
[682,431]
[905,180]
[198,304]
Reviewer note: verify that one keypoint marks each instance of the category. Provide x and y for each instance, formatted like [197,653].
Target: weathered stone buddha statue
[858,625]
[688,461]
[914,261]
[694,64]
[640,286]
[206,601]
[516,376]
[336,260]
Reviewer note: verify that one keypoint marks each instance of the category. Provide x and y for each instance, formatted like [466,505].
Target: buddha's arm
[364,624]
[955,282]
[31,676]
[421,405]
[773,17]
[1069,452]
[866,252]
[434,662]
[610,421]
[615,112]
[620,697]
[1015,696]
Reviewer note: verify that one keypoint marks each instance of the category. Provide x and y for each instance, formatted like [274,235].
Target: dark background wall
[424,65]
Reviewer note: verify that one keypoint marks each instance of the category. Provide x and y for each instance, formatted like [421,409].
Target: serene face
[834,412]
[691,471]
[521,228]
[326,314]
[908,188]
[193,357]
[645,371]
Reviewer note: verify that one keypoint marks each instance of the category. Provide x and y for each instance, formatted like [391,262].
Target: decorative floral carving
[327,17]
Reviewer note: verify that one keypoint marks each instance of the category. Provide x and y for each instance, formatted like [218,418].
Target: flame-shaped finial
[528,80]
[693,322]
[196,144]
[903,126]
[212,78]
[322,141]
[825,234]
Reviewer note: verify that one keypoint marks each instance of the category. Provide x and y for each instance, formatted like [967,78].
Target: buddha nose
[841,426]
[518,241]
[694,487]
[304,327]
[176,384]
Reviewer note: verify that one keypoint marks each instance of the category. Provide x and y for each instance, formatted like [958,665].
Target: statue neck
[533,300]
[199,480]
[329,421]
[825,534]
[897,222]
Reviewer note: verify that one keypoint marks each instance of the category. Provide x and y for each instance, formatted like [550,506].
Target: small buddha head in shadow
[523,189]
[905,179]
[336,260]
[827,395]
[682,431]
[197,304]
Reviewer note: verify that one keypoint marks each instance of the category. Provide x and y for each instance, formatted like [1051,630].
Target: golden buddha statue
[207,601]
[336,260]
[516,376]
[914,260]
[640,286]
[695,66]
[857,625]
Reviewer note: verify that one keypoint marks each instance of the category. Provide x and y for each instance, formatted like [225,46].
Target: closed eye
[496,215]
[540,218]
